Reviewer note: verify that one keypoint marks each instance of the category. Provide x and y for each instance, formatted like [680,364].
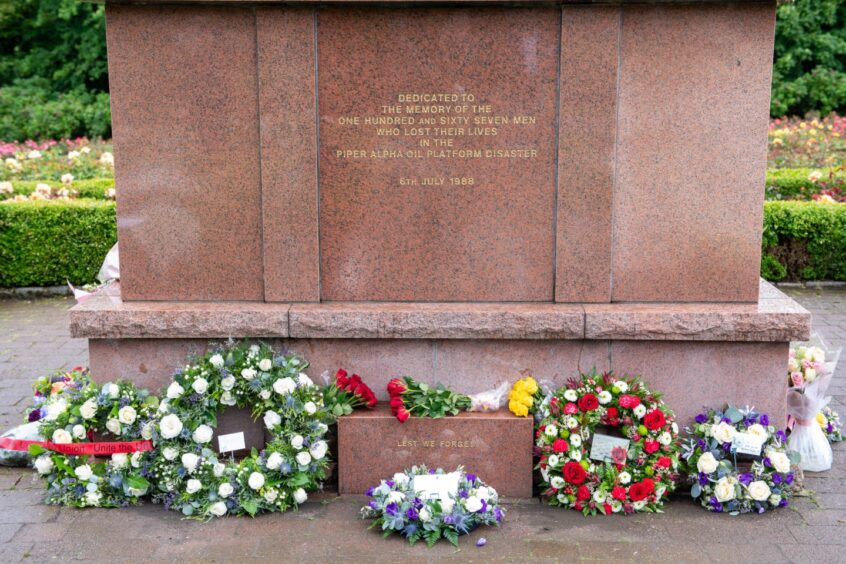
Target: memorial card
[747,443]
[436,486]
[606,447]
[231,442]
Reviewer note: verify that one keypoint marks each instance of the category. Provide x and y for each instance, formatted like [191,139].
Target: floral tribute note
[747,443]
[606,447]
[436,486]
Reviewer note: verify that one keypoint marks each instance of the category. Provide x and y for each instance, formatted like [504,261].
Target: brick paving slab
[34,340]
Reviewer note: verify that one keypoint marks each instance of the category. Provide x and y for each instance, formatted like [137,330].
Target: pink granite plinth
[497,446]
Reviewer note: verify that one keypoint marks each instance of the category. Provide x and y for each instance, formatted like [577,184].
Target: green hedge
[93,188]
[46,243]
[786,183]
[804,241]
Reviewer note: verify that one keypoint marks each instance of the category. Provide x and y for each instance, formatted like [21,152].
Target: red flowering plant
[410,397]
[346,393]
[585,468]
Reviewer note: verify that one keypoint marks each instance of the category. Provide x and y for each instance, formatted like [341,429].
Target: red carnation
[654,419]
[403,415]
[651,446]
[574,473]
[560,445]
[612,413]
[583,494]
[638,491]
[649,484]
[396,387]
[619,493]
[663,462]
[588,402]
[629,401]
[608,509]
[570,408]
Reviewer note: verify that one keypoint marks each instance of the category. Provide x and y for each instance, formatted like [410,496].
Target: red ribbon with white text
[77,449]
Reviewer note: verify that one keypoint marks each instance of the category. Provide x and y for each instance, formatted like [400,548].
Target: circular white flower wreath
[77,411]
[192,478]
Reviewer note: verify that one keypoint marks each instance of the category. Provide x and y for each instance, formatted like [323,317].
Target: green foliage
[53,70]
[94,188]
[809,72]
[46,243]
[804,241]
[797,183]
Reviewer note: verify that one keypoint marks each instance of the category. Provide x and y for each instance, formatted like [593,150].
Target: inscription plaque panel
[437,144]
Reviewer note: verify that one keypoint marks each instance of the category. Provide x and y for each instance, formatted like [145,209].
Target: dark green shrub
[94,188]
[793,183]
[47,243]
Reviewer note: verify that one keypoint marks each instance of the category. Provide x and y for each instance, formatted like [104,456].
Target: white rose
[164,405]
[639,410]
[170,453]
[218,469]
[78,431]
[303,380]
[135,459]
[200,385]
[265,364]
[810,374]
[216,361]
[303,458]
[256,480]
[551,431]
[226,398]
[557,482]
[622,386]
[319,449]
[473,504]
[227,383]
[759,490]
[310,408]
[254,349]
[447,505]
[193,486]
[190,461]
[300,496]
[575,440]
[775,499]
[147,431]
[88,409]
[111,390]
[113,425]
[400,479]
[271,495]
[170,426]
[274,461]
[120,460]
[665,438]
[127,415]
[724,490]
[271,419]
[604,397]
[202,434]
[625,477]
[297,441]
[264,394]
[757,430]
[225,489]
[218,509]
[485,493]
[44,464]
[779,460]
[284,386]
[396,497]
[175,391]
[248,373]
[83,472]
[425,515]
[60,436]
[93,498]
[707,464]
[571,395]
[723,432]
[55,409]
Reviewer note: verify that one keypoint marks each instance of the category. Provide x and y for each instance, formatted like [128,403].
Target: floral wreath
[192,478]
[717,482]
[76,410]
[829,421]
[396,507]
[633,478]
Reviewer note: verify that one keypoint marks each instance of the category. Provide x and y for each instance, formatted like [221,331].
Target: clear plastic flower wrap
[807,437]
[26,432]
[489,400]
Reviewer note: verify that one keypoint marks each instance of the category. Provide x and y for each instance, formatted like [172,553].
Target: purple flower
[703,479]
[463,494]
[370,491]
[411,513]
[373,505]
[782,503]
[390,483]
[481,542]
[432,471]
[829,428]
[392,509]
[745,478]
[34,415]
[716,505]
[780,435]
[776,478]
[484,508]
[767,461]
[449,520]
[471,478]
[498,514]
[764,419]
[788,479]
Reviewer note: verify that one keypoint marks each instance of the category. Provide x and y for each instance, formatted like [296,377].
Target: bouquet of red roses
[347,393]
[410,397]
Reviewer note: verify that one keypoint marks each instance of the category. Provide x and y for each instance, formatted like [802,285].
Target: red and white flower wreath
[634,479]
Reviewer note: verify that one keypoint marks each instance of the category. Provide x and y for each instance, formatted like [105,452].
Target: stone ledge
[775,318]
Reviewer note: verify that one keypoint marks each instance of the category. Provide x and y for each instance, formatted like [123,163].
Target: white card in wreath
[602,445]
[436,486]
[747,443]
[231,442]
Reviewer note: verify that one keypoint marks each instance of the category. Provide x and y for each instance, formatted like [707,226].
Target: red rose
[574,473]
[396,403]
[395,387]
[651,446]
[403,415]
[649,484]
[341,378]
[629,401]
[619,493]
[583,494]
[570,408]
[353,383]
[560,445]
[588,402]
[663,462]
[578,506]
[638,491]
[654,419]
[612,413]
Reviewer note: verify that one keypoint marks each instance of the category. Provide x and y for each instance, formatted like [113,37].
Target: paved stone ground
[34,340]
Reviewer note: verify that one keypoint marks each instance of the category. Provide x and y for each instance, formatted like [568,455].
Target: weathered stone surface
[373,445]
[437,321]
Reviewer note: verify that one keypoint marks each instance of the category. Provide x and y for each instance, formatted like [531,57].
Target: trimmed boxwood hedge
[93,188]
[787,183]
[46,243]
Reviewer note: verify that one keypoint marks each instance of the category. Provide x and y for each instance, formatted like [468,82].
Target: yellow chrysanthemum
[821,420]
[518,409]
